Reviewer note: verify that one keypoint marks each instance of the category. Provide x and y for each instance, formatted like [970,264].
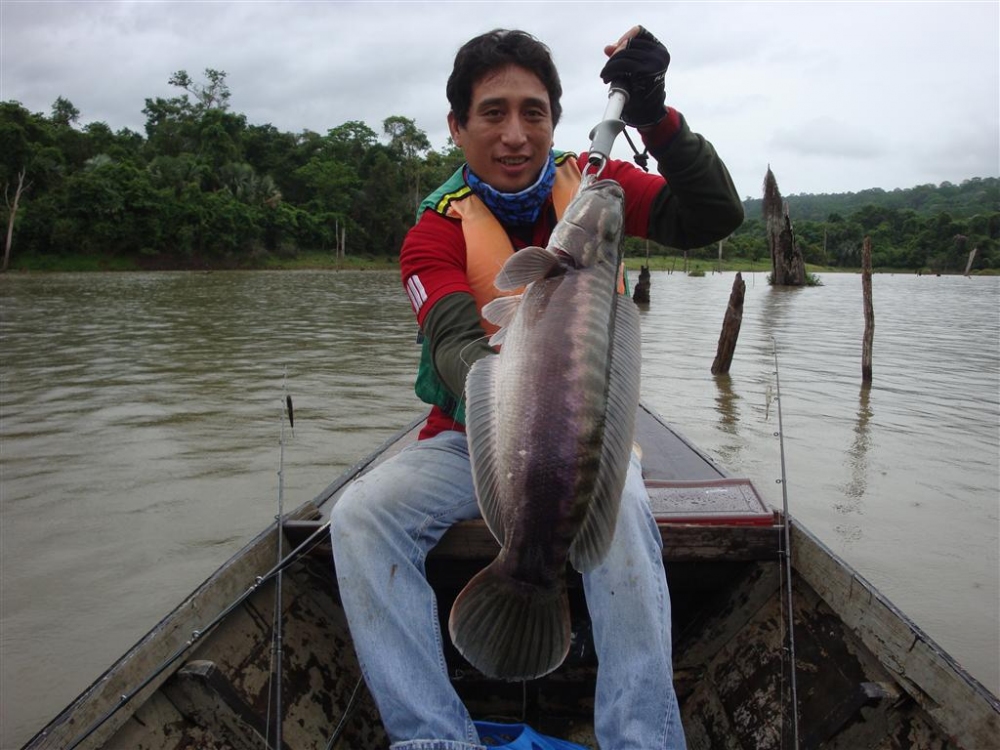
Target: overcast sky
[835,96]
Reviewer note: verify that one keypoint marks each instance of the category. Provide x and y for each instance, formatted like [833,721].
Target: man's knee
[635,519]
[354,515]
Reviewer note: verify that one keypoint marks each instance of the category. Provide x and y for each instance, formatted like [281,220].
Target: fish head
[592,227]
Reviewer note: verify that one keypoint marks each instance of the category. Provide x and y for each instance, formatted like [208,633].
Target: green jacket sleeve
[456,339]
[699,204]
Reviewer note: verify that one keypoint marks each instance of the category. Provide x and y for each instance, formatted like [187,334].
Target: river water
[140,425]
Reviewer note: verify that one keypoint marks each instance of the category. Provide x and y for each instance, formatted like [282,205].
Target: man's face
[509,133]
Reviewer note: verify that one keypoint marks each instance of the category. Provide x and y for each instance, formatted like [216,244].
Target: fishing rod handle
[602,137]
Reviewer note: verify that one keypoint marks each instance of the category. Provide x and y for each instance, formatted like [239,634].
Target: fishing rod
[277,654]
[602,136]
[787,552]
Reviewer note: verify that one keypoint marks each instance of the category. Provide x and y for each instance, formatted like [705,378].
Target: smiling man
[505,94]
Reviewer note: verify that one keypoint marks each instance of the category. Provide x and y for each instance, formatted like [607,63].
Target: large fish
[550,422]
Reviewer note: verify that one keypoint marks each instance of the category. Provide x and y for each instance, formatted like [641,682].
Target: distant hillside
[977,196]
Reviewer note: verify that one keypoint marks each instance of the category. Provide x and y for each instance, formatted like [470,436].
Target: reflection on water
[856,462]
[728,409]
[141,418]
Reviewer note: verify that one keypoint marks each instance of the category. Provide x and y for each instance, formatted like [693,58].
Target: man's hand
[639,63]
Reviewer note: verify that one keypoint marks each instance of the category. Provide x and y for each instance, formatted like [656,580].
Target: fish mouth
[606,186]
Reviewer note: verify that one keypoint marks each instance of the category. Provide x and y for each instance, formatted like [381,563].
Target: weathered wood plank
[708,634]
[207,699]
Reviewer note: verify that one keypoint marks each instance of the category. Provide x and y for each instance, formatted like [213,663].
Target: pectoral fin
[501,310]
[525,266]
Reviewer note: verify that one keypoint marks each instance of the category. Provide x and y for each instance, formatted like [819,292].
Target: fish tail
[509,629]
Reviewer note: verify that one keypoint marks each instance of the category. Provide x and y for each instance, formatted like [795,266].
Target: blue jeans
[382,528]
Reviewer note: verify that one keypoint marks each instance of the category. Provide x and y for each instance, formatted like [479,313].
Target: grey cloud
[834,91]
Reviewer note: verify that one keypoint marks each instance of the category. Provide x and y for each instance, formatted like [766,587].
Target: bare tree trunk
[772,206]
[787,266]
[972,257]
[866,288]
[730,328]
[11,215]
[791,267]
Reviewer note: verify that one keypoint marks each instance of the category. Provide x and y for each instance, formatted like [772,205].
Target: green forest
[204,188]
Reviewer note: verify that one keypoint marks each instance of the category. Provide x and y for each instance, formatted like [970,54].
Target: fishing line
[277,655]
[352,704]
[787,553]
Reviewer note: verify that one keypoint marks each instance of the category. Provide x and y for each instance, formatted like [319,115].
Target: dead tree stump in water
[641,294]
[788,267]
[866,290]
[730,328]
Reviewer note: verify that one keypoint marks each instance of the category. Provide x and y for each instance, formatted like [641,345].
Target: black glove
[640,69]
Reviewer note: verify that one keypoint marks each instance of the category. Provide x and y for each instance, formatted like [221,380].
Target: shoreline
[323,262]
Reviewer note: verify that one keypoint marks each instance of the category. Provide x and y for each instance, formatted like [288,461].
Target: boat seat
[719,518]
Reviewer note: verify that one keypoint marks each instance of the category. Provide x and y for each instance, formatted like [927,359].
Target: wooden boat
[865,675]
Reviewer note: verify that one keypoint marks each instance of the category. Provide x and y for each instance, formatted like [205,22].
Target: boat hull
[867,676]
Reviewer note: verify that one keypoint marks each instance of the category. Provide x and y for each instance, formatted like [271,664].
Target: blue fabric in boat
[519,737]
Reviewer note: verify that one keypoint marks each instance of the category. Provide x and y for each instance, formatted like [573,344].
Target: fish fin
[499,337]
[525,266]
[598,528]
[501,311]
[508,629]
[481,429]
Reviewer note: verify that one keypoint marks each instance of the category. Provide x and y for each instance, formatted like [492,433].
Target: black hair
[494,50]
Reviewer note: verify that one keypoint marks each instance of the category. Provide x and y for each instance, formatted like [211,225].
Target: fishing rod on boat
[787,551]
[277,655]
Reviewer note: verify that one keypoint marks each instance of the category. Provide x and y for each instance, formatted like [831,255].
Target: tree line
[204,187]
[927,227]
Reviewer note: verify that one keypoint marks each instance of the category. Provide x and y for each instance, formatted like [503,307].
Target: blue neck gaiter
[516,208]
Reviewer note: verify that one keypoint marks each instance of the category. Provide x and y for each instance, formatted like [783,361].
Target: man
[505,94]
